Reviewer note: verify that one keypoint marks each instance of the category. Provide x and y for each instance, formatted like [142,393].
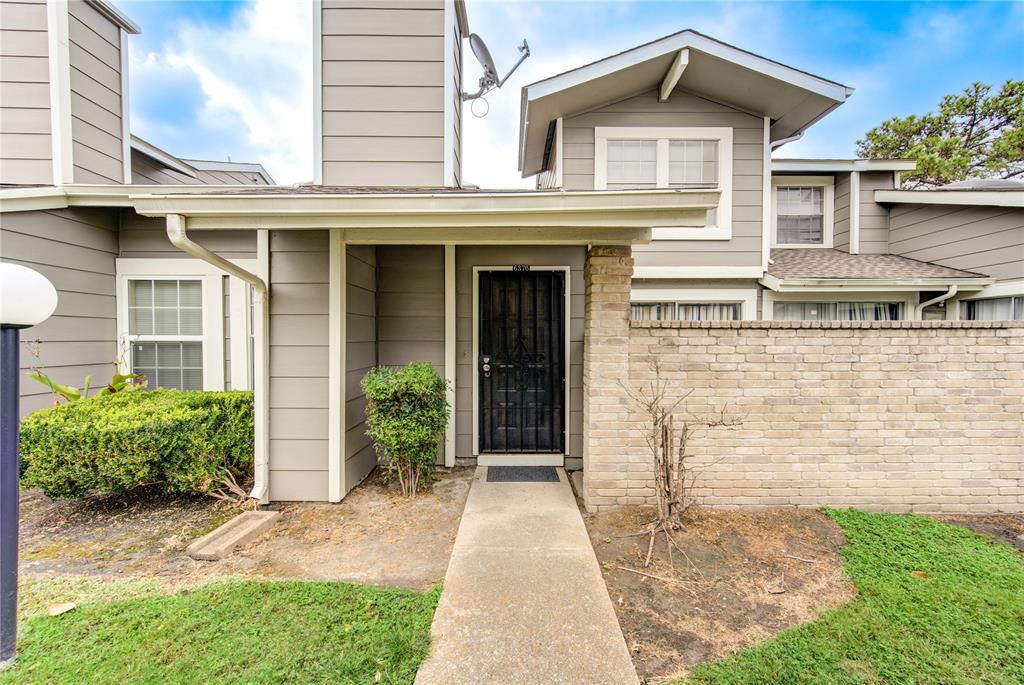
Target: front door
[522,361]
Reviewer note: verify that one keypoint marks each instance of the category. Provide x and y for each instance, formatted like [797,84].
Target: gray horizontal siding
[25,145]
[299,275]
[841,226]
[144,236]
[988,240]
[383,93]
[96,125]
[360,357]
[683,109]
[75,249]
[874,218]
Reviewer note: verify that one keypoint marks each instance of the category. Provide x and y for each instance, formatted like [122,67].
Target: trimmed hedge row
[175,440]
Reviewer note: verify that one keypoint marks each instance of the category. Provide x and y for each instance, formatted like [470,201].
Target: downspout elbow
[919,310]
[791,139]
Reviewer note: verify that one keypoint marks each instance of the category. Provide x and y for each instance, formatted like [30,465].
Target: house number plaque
[520,267]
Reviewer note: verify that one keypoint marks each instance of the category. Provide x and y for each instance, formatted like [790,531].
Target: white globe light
[27,298]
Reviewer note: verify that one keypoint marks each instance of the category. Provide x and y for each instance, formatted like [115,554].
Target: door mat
[522,474]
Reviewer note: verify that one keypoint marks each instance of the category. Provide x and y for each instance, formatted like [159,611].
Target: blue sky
[234,79]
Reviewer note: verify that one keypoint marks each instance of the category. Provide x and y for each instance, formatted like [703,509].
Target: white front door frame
[520,459]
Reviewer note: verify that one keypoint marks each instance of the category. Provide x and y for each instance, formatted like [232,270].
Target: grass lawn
[231,631]
[962,622]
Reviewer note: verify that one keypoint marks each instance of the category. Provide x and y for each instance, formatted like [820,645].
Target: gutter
[792,139]
[177,233]
[935,300]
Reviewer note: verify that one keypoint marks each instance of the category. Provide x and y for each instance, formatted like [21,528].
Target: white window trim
[663,134]
[127,269]
[828,183]
[745,297]
[770,297]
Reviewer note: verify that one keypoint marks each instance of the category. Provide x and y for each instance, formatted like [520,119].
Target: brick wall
[922,416]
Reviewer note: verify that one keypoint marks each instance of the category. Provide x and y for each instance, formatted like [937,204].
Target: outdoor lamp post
[26,299]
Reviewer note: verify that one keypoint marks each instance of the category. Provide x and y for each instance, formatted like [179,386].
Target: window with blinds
[837,311]
[632,164]
[685,311]
[165,323]
[800,215]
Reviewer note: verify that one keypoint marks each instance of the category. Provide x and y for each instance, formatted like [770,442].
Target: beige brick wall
[921,416]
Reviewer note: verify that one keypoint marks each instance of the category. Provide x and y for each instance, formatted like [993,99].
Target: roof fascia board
[843,165]
[868,285]
[988,198]
[111,12]
[677,42]
[165,158]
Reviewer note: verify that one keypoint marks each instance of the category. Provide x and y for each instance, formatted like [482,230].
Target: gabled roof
[825,264]
[689,60]
[193,168]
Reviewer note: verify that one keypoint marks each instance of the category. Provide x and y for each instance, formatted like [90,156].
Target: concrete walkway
[524,600]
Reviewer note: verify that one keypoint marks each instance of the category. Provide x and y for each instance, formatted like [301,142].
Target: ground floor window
[837,311]
[165,325]
[993,309]
[685,311]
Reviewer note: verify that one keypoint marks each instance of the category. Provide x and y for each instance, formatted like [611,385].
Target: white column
[336,365]
[449,351]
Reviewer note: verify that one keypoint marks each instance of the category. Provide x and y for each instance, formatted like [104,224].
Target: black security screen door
[522,361]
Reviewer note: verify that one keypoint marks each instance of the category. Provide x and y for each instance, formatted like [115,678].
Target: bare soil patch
[738,577]
[1002,527]
[374,536]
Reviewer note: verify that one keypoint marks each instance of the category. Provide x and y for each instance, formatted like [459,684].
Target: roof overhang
[165,158]
[826,285]
[237,167]
[111,12]
[546,217]
[841,165]
[986,198]
[793,99]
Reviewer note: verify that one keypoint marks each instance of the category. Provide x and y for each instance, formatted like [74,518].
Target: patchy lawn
[374,536]
[745,576]
[935,603]
[231,631]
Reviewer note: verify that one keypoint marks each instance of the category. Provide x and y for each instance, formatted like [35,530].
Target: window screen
[693,163]
[165,322]
[800,215]
[632,164]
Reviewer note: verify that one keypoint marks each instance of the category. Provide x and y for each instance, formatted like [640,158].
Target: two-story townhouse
[522,300]
[792,239]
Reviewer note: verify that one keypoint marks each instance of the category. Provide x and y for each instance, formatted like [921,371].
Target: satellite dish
[490,80]
[483,56]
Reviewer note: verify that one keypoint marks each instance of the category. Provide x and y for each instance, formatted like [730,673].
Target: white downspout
[178,234]
[935,300]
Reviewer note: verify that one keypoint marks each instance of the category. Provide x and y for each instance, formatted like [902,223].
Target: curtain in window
[632,164]
[994,309]
[708,312]
[659,311]
[837,311]
[800,214]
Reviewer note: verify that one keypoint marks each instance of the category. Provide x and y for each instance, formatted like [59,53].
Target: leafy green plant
[173,440]
[407,412]
[119,383]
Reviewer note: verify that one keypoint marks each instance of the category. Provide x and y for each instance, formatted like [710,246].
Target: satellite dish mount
[490,80]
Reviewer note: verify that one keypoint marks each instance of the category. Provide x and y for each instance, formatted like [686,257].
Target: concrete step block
[235,533]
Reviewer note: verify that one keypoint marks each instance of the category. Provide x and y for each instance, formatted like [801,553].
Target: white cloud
[257,73]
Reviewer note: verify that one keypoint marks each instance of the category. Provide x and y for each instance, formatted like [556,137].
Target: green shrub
[407,411]
[178,441]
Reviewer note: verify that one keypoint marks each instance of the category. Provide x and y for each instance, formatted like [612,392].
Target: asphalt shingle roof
[826,263]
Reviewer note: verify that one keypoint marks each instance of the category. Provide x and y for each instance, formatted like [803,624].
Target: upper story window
[631,158]
[993,309]
[802,211]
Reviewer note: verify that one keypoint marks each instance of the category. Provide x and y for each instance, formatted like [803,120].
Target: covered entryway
[521,361]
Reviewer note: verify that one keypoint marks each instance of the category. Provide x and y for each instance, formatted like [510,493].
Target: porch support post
[608,277]
[449,351]
[336,366]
